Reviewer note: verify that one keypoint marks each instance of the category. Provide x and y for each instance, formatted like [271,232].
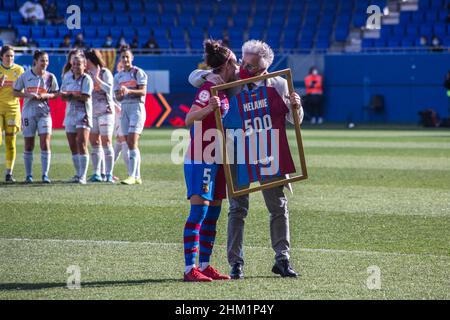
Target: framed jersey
[255,146]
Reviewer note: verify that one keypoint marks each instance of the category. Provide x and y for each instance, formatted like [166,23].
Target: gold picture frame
[232,192]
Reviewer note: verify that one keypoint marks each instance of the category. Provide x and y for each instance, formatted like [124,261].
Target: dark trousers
[315,105]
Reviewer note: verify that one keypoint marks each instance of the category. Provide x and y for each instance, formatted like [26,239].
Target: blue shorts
[205,180]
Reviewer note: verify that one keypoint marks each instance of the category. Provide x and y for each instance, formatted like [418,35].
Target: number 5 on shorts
[207,176]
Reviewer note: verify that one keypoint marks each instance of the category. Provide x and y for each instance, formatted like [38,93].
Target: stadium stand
[327,25]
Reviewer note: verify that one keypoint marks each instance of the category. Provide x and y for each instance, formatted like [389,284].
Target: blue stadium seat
[104,6]
[439,29]
[411,30]
[367,43]
[15,18]
[202,21]
[185,21]
[167,20]
[437,4]
[176,33]
[89,6]
[399,30]
[37,32]
[151,7]
[90,32]
[196,43]
[196,32]
[255,33]
[116,32]
[152,19]
[393,43]
[289,44]
[407,43]
[341,34]
[169,8]
[4,19]
[134,7]
[305,44]
[290,34]
[23,31]
[324,44]
[417,17]
[143,32]
[102,31]
[63,30]
[160,33]
[379,43]
[137,20]
[431,16]
[128,32]
[215,33]
[163,43]
[119,6]
[220,21]
[85,20]
[178,44]
[97,43]
[108,19]
[277,21]
[9,5]
[274,43]
[45,43]
[240,23]
[96,19]
[425,29]
[359,20]
[122,19]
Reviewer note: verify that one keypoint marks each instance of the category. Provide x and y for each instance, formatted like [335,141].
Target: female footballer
[77,90]
[130,87]
[205,181]
[37,86]
[103,116]
[9,107]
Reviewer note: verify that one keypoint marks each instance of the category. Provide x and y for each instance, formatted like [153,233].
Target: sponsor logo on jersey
[204,96]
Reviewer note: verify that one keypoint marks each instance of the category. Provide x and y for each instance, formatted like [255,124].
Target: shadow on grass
[22,184]
[94,284]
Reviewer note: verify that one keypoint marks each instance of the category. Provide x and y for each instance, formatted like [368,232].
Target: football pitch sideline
[371,222]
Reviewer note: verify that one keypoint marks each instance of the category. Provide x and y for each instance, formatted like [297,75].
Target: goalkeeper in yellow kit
[9,107]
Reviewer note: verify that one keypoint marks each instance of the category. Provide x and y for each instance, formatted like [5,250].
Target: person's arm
[141,78]
[106,84]
[197,113]
[198,77]
[53,92]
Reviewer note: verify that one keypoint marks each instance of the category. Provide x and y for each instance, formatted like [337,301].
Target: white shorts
[133,118]
[118,132]
[74,121]
[103,125]
[34,121]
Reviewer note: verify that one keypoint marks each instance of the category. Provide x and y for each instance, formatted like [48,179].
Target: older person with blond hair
[256,60]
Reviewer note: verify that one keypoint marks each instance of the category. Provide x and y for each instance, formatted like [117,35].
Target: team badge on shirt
[206,188]
[204,96]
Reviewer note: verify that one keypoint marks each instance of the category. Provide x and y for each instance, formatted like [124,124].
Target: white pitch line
[313,250]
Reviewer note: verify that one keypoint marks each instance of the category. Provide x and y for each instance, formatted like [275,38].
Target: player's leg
[136,126]
[82,144]
[276,203]
[106,132]
[96,152]
[45,133]
[12,126]
[71,134]
[208,229]
[29,127]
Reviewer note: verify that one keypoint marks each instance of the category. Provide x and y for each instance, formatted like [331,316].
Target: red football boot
[196,276]
[214,274]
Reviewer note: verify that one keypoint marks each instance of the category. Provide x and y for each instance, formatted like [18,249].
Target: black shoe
[9,178]
[237,272]
[284,269]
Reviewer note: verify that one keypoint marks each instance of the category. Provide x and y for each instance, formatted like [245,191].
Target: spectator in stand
[23,42]
[135,43]
[447,87]
[108,42]
[50,12]
[122,43]
[423,41]
[32,12]
[314,95]
[79,42]
[66,42]
[153,45]
[436,45]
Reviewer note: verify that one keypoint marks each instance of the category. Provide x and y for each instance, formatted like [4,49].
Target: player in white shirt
[130,87]
[77,90]
[103,116]
[38,86]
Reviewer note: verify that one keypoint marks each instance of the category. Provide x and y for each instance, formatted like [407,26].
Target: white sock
[134,154]
[117,150]
[189,268]
[76,163]
[203,265]
[102,162]
[138,166]
[28,159]
[84,163]
[125,155]
[46,157]
[109,159]
[96,158]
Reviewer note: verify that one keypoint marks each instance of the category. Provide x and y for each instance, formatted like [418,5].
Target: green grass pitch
[373,198]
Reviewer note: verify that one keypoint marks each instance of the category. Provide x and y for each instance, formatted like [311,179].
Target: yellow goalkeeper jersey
[8,76]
